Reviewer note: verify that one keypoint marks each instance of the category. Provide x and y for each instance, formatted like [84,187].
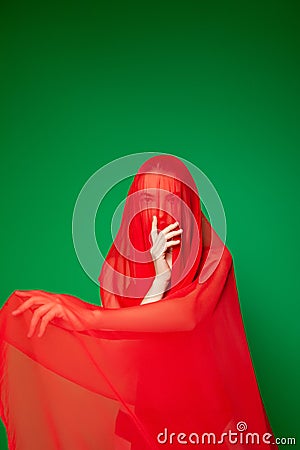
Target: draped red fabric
[168,374]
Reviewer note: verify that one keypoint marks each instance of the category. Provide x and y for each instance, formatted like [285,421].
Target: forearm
[157,289]
[174,314]
[164,316]
[160,283]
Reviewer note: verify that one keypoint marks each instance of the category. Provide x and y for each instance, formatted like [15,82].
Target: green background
[216,83]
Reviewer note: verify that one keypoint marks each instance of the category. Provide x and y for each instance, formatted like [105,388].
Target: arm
[171,314]
[153,317]
[160,283]
[159,250]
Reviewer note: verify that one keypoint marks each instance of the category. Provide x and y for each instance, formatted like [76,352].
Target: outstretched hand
[48,306]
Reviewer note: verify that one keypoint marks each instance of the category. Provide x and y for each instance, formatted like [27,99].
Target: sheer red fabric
[173,373]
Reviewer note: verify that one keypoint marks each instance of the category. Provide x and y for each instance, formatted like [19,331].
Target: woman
[164,361]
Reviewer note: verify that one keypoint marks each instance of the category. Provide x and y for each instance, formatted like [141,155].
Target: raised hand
[162,244]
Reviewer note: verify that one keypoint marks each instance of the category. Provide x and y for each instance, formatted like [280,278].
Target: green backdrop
[216,83]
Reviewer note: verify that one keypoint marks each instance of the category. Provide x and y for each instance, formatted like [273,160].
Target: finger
[24,306]
[35,300]
[45,320]
[36,317]
[154,223]
[23,293]
[153,232]
[33,292]
[29,291]
[170,227]
[169,243]
[173,233]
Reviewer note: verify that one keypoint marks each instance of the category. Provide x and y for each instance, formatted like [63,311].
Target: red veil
[168,374]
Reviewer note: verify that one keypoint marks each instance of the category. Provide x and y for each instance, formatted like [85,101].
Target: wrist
[161,267]
[95,319]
